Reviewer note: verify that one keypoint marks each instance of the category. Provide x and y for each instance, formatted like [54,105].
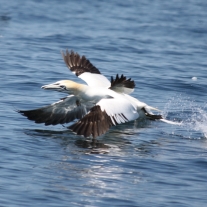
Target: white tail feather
[171,122]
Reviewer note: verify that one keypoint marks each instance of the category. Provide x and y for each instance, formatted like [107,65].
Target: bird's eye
[63,87]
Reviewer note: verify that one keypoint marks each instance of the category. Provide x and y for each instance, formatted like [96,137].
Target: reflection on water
[116,138]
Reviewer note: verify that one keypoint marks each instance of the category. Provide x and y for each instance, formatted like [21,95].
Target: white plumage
[98,105]
[95,80]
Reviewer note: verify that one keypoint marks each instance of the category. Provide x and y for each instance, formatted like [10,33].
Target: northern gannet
[98,105]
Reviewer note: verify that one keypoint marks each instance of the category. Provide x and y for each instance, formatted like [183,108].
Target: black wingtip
[36,115]
[78,64]
[122,81]
[21,112]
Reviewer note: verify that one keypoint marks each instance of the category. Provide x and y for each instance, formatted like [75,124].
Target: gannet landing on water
[98,105]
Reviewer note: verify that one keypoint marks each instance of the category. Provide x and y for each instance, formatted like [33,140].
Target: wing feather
[61,112]
[84,69]
[106,113]
[78,64]
[122,84]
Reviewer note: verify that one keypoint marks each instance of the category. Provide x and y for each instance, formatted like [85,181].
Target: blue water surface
[162,46]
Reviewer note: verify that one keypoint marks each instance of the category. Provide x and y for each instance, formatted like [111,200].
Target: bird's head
[65,86]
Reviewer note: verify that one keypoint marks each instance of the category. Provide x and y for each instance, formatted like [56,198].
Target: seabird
[98,105]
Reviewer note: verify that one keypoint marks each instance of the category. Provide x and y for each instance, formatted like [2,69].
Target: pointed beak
[54,87]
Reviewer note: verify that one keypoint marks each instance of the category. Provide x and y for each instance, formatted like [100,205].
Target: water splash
[192,116]
[198,120]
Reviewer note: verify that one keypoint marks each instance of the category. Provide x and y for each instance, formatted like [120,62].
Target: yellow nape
[72,86]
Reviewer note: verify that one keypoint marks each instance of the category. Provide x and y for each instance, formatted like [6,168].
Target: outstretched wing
[122,84]
[106,113]
[82,68]
[61,112]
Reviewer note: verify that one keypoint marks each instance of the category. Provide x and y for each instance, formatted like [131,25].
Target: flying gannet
[98,105]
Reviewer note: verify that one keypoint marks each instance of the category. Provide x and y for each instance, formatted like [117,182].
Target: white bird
[98,105]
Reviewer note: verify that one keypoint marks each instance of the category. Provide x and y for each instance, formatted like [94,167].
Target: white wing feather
[95,80]
[119,110]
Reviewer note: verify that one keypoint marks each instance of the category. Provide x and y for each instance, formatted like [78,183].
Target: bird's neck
[79,89]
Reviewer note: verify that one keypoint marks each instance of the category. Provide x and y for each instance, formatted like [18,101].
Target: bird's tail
[158,117]
[151,116]
[171,122]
